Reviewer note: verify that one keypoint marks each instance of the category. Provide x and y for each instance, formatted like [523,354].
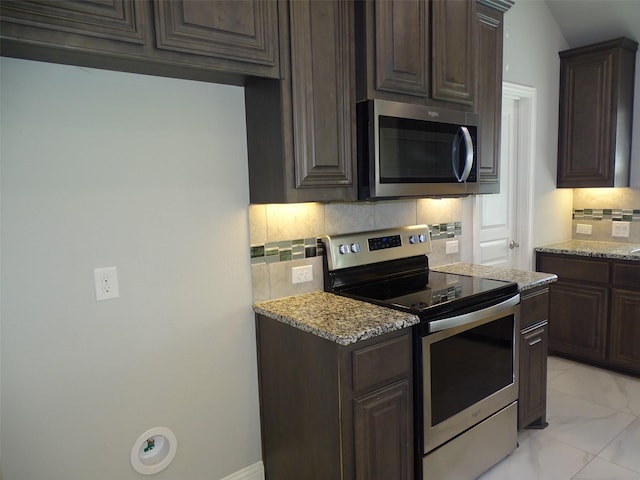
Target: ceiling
[584,22]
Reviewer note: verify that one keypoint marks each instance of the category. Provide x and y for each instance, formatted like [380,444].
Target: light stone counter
[336,318]
[525,279]
[591,248]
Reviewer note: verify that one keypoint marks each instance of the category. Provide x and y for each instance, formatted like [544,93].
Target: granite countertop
[592,248]
[525,279]
[336,318]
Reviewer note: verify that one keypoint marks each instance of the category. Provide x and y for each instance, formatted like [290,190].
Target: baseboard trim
[252,472]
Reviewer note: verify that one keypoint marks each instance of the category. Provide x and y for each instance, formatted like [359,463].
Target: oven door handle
[472,317]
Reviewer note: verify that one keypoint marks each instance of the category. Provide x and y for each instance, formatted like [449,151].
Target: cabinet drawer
[534,308]
[626,275]
[381,362]
[574,268]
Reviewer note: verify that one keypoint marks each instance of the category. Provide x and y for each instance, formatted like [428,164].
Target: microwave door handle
[468,161]
[462,135]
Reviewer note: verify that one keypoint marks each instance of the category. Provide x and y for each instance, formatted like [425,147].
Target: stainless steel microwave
[407,150]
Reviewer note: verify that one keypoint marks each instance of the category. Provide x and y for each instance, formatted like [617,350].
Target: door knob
[513,244]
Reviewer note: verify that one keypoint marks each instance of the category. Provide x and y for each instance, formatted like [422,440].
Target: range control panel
[356,249]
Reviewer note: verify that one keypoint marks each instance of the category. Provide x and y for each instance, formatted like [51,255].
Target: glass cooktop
[421,293]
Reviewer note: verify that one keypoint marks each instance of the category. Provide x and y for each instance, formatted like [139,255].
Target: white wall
[148,174]
[532,40]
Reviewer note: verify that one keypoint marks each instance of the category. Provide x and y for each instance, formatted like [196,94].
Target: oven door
[469,370]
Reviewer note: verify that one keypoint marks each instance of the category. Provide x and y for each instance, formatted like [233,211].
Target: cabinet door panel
[585,142]
[532,398]
[383,434]
[489,99]
[453,50]
[113,20]
[578,320]
[323,93]
[402,47]
[624,347]
[242,30]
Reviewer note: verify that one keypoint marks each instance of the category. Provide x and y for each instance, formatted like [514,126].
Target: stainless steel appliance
[407,150]
[465,346]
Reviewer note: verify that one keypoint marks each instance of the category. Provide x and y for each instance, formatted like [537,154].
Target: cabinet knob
[513,244]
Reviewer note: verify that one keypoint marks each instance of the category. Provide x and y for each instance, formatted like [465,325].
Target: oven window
[470,366]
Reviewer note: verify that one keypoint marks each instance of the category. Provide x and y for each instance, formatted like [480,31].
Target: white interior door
[496,213]
[503,221]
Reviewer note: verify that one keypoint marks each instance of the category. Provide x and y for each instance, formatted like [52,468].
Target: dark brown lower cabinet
[330,411]
[624,343]
[532,394]
[381,433]
[579,319]
[594,310]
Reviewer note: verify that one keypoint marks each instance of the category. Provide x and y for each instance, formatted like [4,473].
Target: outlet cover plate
[302,274]
[451,246]
[106,283]
[620,229]
[584,229]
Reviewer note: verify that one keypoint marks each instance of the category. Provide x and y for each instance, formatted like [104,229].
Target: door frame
[526,97]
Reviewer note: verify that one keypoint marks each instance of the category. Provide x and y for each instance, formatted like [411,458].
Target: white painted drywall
[532,41]
[148,174]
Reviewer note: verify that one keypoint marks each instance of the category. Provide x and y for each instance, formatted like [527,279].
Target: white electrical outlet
[302,274]
[584,229]
[106,282]
[451,246]
[620,229]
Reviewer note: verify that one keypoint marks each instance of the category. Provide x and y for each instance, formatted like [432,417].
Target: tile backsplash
[284,236]
[600,207]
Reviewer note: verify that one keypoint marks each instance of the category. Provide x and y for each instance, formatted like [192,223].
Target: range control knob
[355,247]
[413,239]
[423,237]
[344,249]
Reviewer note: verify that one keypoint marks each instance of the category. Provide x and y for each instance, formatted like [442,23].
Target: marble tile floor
[593,432]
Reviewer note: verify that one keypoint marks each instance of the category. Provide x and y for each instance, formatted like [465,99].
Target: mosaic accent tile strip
[284,251]
[607,214]
[445,230]
[288,250]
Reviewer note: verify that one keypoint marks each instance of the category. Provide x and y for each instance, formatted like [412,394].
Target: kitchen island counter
[336,318]
[526,280]
[592,248]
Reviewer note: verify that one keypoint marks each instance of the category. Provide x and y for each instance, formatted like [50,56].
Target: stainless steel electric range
[465,346]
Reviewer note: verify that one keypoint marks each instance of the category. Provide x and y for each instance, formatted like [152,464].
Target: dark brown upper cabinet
[489,29]
[301,129]
[393,45]
[221,41]
[445,53]
[453,51]
[226,30]
[596,109]
[417,51]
